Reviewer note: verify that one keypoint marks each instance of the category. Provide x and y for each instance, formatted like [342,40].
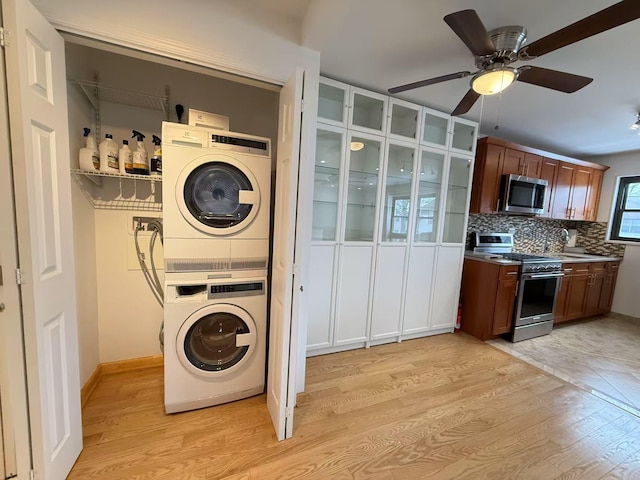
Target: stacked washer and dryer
[216,212]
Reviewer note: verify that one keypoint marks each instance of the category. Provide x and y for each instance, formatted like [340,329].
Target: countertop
[563,257]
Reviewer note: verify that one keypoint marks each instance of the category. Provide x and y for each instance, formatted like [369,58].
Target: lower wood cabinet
[586,290]
[488,296]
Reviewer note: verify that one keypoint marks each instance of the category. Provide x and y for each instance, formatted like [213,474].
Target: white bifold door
[283,328]
[37,92]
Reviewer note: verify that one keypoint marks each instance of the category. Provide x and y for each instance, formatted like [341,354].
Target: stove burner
[525,257]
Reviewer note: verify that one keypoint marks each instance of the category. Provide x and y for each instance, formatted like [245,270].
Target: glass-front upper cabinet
[435,128]
[333,102]
[464,135]
[397,192]
[368,112]
[405,120]
[330,150]
[365,161]
[429,173]
[458,194]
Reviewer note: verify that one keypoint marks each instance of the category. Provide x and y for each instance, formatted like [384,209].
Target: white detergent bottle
[140,156]
[125,158]
[108,155]
[89,155]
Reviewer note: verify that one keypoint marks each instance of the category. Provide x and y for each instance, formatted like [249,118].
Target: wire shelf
[96,93]
[133,192]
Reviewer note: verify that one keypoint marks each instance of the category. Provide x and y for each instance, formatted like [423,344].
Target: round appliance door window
[211,345]
[212,194]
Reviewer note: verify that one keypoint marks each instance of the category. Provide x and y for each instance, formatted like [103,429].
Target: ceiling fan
[496,50]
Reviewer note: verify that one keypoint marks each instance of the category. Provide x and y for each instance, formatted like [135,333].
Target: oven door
[537,297]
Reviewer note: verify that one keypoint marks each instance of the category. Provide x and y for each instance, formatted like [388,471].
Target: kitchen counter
[563,257]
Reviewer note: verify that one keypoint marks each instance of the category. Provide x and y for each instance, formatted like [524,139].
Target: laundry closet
[118,318]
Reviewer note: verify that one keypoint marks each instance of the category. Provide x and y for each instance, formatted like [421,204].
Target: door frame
[309,60]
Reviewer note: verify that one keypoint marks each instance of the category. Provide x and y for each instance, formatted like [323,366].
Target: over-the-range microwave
[524,195]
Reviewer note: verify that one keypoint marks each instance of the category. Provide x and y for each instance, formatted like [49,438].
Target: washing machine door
[218,195]
[216,340]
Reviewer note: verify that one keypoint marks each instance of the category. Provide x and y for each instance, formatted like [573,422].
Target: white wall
[84,239]
[625,299]
[128,316]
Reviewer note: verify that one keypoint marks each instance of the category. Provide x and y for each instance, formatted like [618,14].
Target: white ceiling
[378,44]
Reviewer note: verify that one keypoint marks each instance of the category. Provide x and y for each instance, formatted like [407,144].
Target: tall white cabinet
[390,206]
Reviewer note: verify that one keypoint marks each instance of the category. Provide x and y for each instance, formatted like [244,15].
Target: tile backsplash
[531,233]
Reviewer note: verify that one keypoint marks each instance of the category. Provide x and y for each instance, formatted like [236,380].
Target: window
[426,213]
[626,214]
[400,216]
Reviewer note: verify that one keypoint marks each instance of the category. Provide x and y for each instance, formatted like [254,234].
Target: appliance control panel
[236,289]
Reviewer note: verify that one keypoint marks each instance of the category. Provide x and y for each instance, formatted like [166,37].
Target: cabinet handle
[498,205]
[512,273]
[517,285]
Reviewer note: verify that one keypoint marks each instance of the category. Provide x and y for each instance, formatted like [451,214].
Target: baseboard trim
[90,386]
[621,316]
[118,366]
[132,364]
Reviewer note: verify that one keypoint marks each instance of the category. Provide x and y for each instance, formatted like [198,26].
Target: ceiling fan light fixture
[493,81]
[636,126]
[356,146]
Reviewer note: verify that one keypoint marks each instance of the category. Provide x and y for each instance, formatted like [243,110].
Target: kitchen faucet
[565,236]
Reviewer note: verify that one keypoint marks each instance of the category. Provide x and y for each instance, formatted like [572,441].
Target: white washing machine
[214,339]
[216,199]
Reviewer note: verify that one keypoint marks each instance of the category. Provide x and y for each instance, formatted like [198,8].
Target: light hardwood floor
[442,407]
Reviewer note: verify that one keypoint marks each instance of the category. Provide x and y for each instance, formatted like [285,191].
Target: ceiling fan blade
[468,26]
[611,17]
[553,79]
[430,81]
[466,103]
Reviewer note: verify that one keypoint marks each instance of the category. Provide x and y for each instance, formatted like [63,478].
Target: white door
[281,385]
[40,156]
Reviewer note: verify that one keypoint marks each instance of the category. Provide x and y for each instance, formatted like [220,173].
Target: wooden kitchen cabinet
[486,178]
[608,287]
[549,172]
[593,194]
[574,185]
[586,290]
[488,296]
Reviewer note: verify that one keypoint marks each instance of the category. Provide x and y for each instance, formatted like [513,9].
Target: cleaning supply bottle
[140,156]
[108,154]
[155,163]
[125,158]
[89,155]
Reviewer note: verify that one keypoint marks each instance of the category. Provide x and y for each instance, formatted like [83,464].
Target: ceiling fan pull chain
[497,126]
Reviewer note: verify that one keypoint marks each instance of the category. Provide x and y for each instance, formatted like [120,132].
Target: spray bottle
[140,156]
[156,160]
[125,158]
[89,155]
[108,154]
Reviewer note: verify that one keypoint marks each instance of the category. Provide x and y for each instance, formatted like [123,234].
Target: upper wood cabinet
[574,185]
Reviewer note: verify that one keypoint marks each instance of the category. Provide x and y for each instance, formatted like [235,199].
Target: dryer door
[216,340]
[218,195]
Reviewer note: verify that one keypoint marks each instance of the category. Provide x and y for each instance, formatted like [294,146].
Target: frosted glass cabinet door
[405,120]
[464,136]
[435,128]
[457,200]
[362,188]
[397,193]
[368,111]
[333,102]
[330,145]
[428,196]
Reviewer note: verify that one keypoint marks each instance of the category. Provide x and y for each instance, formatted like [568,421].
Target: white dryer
[215,340]
[216,199]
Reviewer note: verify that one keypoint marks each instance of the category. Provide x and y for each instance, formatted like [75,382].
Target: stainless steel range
[538,285]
